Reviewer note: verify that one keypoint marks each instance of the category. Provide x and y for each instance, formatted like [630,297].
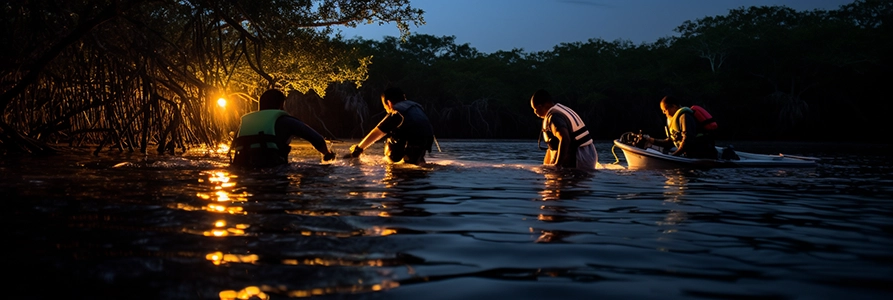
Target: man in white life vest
[570,144]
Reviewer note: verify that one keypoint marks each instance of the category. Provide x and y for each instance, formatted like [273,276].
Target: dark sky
[538,25]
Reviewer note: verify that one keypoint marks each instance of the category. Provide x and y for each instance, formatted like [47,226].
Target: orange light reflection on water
[220,229]
[373,231]
[333,262]
[552,187]
[222,194]
[676,189]
[260,293]
[251,292]
[222,197]
[355,289]
[222,148]
[220,258]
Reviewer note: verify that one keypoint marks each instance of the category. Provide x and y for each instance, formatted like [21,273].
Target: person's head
[391,96]
[541,102]
[669,105]
[272,99]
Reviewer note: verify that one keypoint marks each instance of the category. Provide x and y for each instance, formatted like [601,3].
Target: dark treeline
[765,73]
[134,75]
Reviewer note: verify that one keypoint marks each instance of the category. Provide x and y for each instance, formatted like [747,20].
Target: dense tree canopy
[764,72]
[136,73]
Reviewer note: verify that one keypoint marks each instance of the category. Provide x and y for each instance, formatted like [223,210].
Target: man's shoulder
[554,115]
[288,120]
[285,117]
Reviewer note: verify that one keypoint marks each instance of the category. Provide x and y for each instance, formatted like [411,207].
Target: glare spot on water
[248,293]
[466,220]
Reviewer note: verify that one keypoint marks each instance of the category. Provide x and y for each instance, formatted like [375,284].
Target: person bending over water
[410,134]
[570,145]
[264,135]
[684,134]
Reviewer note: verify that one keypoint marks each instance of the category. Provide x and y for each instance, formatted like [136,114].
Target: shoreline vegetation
[147,76]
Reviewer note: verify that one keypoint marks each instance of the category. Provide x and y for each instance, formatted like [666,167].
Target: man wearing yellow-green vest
[264,135]
[683,132]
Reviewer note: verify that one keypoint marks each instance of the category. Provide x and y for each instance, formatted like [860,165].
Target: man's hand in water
[355,151]
[328,156]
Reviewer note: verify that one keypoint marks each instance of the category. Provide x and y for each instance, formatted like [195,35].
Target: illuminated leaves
[134,73]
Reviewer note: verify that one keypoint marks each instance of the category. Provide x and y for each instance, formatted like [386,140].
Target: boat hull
[650,158]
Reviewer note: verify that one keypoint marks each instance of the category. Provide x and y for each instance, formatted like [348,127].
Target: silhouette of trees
[134,73]
[765,72]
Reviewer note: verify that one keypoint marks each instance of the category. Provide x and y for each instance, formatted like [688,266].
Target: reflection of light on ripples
[364,213]
[375,213]
[326,233]
[251,292]
[545,237]
[219,177]
[221,193]
[222,148]
[314,213]
[220,230]
[478,164]
[552,189]
[235,210]
[384,285]
[550,194]
[676,186]
[333,262]
[219,258]
[374,231]
[223,185]
[673,217]
[368,195]
[254,292]
[379,231]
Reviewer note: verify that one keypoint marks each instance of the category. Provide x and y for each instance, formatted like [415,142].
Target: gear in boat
[640,154]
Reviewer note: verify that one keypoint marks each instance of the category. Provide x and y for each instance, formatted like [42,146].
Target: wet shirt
[390,122]
[585,157]
[560,121]
[288,126]
[408,122]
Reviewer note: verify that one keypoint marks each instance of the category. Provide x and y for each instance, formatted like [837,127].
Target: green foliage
[102,72]
[135,73]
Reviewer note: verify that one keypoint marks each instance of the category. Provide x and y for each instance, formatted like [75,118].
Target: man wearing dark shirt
[406,126]
[264,135]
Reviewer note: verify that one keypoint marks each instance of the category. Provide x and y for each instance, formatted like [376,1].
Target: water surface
[484,220]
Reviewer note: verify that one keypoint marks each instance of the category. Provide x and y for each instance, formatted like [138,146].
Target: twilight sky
[538,25]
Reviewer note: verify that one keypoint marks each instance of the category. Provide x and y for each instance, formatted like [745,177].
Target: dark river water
[484,221]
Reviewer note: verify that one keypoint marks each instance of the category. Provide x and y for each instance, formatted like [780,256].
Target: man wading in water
[406,126]
[570,145]
[264,135]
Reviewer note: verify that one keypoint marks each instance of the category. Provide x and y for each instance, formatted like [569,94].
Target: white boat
[653,157]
